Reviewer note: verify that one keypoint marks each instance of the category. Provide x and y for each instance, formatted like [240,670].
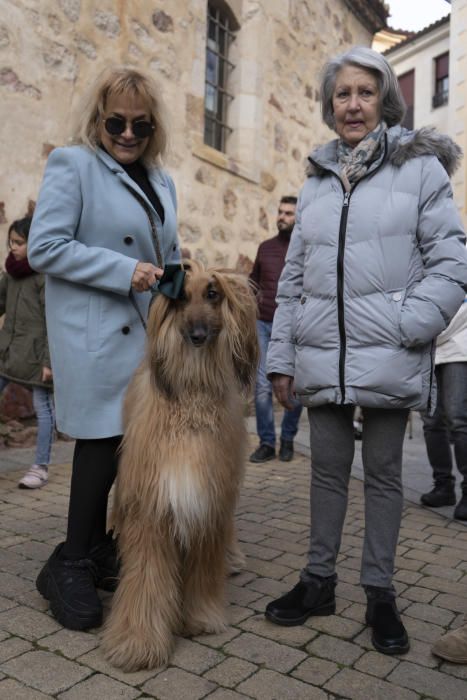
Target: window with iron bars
[218,68]
[441,95]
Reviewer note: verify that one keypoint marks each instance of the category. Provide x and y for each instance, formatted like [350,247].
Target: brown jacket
[266,271]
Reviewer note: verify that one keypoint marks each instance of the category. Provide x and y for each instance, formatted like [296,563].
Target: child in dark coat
[24,353]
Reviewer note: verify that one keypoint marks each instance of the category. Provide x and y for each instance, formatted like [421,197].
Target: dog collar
[171,283]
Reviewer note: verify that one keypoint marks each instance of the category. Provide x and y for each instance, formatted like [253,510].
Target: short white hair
[391,101]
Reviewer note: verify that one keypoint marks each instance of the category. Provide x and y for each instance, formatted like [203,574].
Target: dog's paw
[235,561]
[213,622]
[134,653]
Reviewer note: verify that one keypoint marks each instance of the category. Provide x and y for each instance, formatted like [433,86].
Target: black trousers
[94,470]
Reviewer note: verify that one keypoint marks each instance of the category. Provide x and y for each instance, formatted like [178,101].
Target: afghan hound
[181,467]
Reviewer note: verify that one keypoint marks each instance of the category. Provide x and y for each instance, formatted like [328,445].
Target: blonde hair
[121,80]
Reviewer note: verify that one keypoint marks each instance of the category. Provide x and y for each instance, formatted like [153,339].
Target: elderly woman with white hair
[376,269]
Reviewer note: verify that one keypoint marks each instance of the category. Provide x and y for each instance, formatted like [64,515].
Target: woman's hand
[144,276]
[282,386]
[46,375]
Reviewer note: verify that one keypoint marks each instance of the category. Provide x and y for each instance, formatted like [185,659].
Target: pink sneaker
[36,477]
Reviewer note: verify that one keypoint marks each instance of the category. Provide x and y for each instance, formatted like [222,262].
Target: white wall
[419,55]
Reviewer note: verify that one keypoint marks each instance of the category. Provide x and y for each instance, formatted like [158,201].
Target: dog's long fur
[181,467]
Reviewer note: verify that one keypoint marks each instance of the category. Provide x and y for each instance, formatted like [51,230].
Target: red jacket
[266,271]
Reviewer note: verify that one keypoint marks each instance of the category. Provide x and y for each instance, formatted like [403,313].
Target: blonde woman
[103,228]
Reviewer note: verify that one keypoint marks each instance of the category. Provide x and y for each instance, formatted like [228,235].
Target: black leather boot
[105,557]
[286,451]
[442,494]
[460,511]
[263,453]
[389,634]
[315,597]
[69,586]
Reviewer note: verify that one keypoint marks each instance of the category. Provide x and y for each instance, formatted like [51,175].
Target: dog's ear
[239,315]
[158,312]
[160,332]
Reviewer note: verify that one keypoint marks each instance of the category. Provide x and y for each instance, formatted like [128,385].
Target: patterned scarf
[354,162]
[18,268]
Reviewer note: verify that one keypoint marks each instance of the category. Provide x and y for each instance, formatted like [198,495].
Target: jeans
[449,422]
[332,443]
[42,400]
[263,397]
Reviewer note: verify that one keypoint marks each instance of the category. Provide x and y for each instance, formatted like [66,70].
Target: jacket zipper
[340,263]
[340,292]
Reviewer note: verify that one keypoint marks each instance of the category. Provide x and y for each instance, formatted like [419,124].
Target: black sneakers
[389,635]
[442,494]
[69,586]
[263,454]
[315,597]
[105,557]
[286,451]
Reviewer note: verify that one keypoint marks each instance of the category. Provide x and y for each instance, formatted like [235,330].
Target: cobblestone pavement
[327,658]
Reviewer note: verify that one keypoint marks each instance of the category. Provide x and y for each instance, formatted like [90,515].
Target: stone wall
[51,49]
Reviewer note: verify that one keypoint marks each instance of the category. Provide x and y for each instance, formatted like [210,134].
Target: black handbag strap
[172,280]
[155,236]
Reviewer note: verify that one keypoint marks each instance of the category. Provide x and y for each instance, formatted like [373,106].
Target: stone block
[269,685]
[315,671]
[337,650]
[231,672]
[358,686]
[430,613]
[13,690]
[376,664]
[176,684]
[44,671]
[14,646]
[96,661]
[265,651]
[28,624]
[336,626]
[292,636]
[70,643]
[194,657]
[428,682]
[102,687]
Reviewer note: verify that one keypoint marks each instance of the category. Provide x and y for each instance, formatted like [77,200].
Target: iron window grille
[441,96]
[218,68]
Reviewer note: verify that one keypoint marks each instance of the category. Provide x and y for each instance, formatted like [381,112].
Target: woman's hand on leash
[282,386]
[46,375]
[144,276]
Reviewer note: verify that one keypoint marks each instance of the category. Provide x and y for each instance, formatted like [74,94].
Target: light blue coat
[87,234]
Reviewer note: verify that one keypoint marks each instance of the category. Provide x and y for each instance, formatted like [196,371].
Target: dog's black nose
[198,335]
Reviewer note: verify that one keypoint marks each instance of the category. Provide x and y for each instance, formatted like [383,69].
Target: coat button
[397,296]
[302,300]
[128,240]
[125,330]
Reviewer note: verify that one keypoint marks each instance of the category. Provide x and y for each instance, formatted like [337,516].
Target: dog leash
[173,278]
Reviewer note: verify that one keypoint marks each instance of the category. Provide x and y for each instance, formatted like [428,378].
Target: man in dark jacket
[265,276]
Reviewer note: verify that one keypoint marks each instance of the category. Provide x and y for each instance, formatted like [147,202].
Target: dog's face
[199,316]
[206,334]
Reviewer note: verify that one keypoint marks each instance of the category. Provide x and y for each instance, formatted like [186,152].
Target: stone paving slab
[328,658]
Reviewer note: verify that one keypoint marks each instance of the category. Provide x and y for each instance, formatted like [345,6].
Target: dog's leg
[235,559]
[145,612]
[204,587]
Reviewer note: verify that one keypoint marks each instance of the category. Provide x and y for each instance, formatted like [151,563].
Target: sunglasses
[140,127]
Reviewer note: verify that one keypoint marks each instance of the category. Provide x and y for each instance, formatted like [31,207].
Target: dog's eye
[212,294]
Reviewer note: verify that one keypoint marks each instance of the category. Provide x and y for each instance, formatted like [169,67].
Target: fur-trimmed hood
[402,145]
